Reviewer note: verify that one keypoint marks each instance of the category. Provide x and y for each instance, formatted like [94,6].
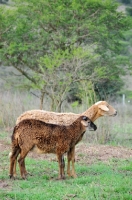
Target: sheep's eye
[85,118]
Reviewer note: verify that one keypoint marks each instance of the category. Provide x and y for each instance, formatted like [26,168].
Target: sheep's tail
[13,134]
[13,139]
[10,154]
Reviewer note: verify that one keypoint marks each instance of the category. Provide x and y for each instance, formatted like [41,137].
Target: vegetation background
[64,56]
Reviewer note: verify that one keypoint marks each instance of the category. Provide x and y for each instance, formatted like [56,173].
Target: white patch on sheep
[10,154]
[98,102]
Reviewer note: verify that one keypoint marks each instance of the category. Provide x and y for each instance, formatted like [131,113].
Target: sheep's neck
[92,113]
[76,129]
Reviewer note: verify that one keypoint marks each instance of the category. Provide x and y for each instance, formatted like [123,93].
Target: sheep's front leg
[71,157]
[61,163]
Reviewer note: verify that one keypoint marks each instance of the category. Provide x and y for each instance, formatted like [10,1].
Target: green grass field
[104,170]
[111,180]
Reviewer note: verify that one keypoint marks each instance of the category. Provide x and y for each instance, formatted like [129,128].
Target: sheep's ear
[103,107]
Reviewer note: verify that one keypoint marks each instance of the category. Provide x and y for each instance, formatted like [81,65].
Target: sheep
[47,138]
[99,109]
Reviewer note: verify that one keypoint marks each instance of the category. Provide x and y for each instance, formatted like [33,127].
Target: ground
[85,154]
[89,154]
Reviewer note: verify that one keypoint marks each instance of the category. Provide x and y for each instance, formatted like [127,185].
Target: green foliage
[32,33]
[86,92]
[129,10]
[126,1]
[75,104]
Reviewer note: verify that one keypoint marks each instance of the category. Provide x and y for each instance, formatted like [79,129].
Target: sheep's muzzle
[92,127]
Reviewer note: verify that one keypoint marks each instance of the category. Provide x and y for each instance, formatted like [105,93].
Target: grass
[111,180]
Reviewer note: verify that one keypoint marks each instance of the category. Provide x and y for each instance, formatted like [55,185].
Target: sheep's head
[87,123]
[104,109]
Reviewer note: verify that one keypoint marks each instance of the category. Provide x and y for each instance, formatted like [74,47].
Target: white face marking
[98,102]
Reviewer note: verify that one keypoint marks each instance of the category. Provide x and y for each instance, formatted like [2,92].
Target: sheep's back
[49,117]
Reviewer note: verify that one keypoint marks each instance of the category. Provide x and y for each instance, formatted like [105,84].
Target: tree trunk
[41,99]
[58,109]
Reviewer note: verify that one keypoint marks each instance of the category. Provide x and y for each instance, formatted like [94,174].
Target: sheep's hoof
[72,175]
[69,174]
[61,178]
[14,175]
[27,173]
[24,178]
[11,176]
[75,176]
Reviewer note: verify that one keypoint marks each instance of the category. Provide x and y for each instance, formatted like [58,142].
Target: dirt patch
[4,147]
[4,185]
[85,153]
[91,154]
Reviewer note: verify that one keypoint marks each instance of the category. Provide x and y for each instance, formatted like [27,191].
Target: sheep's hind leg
[14,168]
[25,171]
[13,159]
[71,157]
[22,163]
[61,163]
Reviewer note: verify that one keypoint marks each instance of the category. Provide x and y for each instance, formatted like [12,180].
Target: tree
[59,71]
[33,30]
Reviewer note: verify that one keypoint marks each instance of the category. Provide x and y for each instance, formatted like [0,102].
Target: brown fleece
[47,138]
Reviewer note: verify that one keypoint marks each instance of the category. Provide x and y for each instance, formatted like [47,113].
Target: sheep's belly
[44,150]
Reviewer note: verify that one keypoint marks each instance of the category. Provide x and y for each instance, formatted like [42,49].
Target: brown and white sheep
[99,109]
[47,138]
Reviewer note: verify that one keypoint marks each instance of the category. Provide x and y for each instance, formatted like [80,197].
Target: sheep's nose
[95,127]
[115,112]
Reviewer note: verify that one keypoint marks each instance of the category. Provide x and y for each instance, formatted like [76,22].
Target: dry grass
[12,105]
[111,130]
